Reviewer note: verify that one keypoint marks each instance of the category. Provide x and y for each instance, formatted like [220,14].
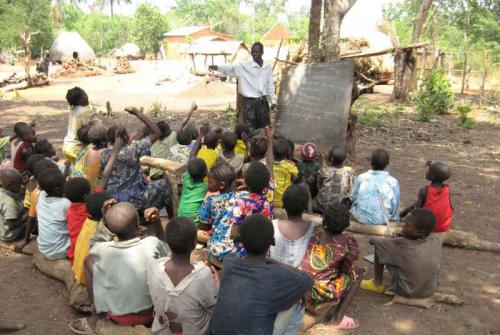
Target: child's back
[334,185]
[285,172]
[193,189]
[437,196]
[11,223]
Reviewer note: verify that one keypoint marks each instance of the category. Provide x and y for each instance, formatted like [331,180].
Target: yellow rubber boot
[369,285]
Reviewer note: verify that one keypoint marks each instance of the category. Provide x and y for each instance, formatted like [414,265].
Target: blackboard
[314,103]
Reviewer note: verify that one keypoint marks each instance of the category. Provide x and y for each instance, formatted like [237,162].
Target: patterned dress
[216,211]
[126,182]
[331,265]
[334,185]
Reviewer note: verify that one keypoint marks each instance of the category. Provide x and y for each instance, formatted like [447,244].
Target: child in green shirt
[193,189]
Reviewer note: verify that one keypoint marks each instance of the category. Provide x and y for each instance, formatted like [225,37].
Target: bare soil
[474,156]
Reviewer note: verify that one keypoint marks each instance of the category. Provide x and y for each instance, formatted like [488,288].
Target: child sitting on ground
[254,289]
[79,115]
[25,150]
[53,237]
[208,152]
[436,196]
[193,189]
[309,168]
[228,153]
[330,258]
[116,271]
[76,190]
[412,260]
[285,172]
[181,151]
[243,134]
[12,217]
[334,182]
[375,193]
[160,148]
[215,212]
[16,139]
[183,293]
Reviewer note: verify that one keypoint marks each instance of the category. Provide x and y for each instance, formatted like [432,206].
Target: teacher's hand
[274,108]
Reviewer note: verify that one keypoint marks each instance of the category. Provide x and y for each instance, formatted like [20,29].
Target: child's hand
[18,246]
[240,184]
[132,110]
[269,131]
[119,142]
[151,214]
[194,106]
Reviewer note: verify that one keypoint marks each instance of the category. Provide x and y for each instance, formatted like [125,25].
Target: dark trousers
[256,112]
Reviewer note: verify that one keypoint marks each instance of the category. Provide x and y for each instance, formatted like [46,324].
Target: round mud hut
[67,44]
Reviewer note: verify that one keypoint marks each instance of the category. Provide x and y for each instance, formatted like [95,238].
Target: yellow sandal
[369,285]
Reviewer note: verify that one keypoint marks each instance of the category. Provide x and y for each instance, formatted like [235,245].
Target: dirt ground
[474,156]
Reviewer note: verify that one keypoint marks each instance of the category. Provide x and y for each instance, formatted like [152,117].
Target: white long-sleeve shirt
[253,81]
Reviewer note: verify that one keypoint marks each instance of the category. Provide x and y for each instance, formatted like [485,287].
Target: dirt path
[474,156]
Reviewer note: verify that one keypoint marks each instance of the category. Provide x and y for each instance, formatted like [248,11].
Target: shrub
[464,112]
[434,96]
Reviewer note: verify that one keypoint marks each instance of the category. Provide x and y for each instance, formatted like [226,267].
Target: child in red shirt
[436,196]
[25,150]
[76,191]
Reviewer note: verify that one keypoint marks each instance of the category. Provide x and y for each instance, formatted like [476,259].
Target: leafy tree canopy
[149,27]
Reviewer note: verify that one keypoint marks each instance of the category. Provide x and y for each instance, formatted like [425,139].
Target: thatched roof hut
[128,50]
[68,42]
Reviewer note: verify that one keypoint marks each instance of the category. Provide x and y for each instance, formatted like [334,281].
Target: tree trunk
[111,6]
[483,78]
[404,60]
[334,12]
[314,30]
[464,74]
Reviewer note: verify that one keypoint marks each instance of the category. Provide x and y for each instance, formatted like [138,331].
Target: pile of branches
[16,82]
[123,66]
[74,68]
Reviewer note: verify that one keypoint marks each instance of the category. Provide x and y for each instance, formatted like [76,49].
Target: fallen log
[452,238]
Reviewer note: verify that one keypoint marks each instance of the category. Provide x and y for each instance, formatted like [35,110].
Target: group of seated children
[263,276]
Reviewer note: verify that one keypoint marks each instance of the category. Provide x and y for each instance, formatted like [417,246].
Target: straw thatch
[68,42]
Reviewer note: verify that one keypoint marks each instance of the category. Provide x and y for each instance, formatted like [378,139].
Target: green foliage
[465,120]
[33,15]
[434,96]
[149,27]
[371,119]
[157,109]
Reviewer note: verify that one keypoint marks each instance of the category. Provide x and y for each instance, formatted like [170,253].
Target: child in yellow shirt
[243,133]
[285,171]
[208,152]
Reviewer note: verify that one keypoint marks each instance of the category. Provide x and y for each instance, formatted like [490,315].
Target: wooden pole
[483,78]
[277,54]
[464,73]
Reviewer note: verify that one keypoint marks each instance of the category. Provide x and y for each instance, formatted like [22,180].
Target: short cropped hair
[76,189]
[42,165]
[165,130]
[122,218]
[185,136]
[241,129]
[439,172]
[77,97]
[423,219]
[295,200]
[97,134]
[94,202]
[281,147]
[228,140]
[181,235]
[379,159]
[197,169]
[51,179]
[258,147]
[336,217]
[32,160]
[223,172]
[336,155]
[114,130]
[83,133]
[260,45]
[43,147]
[211,139]
[257,177]
[257,234]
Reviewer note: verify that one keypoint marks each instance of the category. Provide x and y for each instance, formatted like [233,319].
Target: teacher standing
[255,84]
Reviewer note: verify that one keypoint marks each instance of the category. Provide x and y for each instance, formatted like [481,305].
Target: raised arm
[154,131]
[197,145]
[117,146]
[227,69]
[194,107]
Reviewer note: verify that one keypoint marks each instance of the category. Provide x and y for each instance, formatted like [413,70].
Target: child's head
[336,217]
[380,159]
[165,130]
[419,224]
[257,234]
[82,134]
[291,149]
[27,134]
[52,182]
[228,141]
[11,180]
[122,219]
[97,135]
[295,200]
[211,139]
[221,177]
[336,155]
[309,151]
[438,172]
[76,189]
[242,131]
[197,169]
[45,148]
[77,97]
[42,165]
[258,148]
[17,128]
[281,149]
[257,177]
[181,235]
[185,136]
[94,202]
[117,130]
[32,160]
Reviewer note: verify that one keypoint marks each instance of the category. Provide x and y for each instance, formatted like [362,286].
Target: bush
[465,120]
[434,96]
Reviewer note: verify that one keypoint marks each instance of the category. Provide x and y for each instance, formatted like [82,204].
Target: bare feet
[347,323]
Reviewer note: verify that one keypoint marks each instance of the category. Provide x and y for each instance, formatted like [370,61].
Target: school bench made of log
[452,238]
